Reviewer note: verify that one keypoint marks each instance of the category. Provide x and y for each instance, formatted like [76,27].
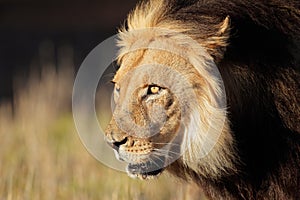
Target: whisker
[158,153]
[164,162]
[167,157]
[167,151]
[158,157]
[167,143]
[153,161]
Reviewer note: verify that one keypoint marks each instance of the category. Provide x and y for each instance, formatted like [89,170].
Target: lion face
[146,118]
[169,106]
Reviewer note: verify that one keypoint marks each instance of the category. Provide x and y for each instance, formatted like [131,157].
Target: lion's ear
[217,43]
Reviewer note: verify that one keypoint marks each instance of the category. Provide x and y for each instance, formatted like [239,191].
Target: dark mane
[261,71]
[279,16]
[272,26]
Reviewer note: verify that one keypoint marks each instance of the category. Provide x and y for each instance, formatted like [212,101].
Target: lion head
[170,104]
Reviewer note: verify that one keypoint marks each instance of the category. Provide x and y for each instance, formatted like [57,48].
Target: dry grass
[41,156]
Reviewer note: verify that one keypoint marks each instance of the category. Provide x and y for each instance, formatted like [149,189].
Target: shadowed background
[42,44]
[26,24]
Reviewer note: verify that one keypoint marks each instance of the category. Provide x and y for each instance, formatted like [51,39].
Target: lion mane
[255,47]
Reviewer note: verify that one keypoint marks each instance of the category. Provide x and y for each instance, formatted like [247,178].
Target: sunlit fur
[165,32]
[198,115]
[206,119]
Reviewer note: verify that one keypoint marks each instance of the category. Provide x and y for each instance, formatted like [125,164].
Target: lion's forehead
[151,57]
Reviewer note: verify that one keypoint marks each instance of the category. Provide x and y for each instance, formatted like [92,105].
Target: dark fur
[261,71]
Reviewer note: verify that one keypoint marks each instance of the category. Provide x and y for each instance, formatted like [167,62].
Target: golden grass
[41,156]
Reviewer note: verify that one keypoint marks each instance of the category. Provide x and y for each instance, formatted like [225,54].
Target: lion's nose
[116,144]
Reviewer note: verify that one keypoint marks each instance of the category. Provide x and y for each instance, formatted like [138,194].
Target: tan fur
[187,57]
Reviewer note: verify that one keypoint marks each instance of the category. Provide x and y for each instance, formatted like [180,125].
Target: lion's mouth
[146,170]
[143,166]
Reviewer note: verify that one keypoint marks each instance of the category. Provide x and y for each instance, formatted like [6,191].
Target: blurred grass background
[41,156]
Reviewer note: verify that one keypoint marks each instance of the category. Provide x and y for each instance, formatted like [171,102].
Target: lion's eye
[117,88]
[116,92]
[153,89]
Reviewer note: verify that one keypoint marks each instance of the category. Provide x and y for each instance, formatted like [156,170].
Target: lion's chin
[147,170]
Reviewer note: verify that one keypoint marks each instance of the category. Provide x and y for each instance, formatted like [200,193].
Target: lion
[210,92]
